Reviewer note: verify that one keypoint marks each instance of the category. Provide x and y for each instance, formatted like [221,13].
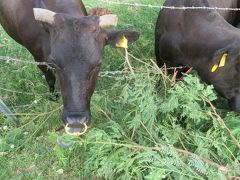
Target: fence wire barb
[24,93]
[110,74]
[9,59]
[169,7]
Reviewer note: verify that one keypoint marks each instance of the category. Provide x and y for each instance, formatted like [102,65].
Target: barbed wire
[169,7]
[9,59]
[111,74]
[24,93]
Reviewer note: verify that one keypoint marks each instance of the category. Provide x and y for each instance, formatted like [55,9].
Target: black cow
[60,33]
[206,40]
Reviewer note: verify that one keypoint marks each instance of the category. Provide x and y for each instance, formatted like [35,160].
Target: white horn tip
[44,15]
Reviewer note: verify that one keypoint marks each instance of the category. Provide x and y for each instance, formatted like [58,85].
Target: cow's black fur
[198,39]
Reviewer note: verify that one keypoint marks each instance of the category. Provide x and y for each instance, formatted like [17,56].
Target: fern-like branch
[223,124]
[160,147]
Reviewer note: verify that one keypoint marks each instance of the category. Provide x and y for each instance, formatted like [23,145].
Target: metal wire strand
[169,7]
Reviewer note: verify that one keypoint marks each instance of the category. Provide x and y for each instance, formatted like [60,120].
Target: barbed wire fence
[109,74]
[11,60]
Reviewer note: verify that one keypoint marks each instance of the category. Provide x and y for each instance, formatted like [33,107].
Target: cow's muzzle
[76,123]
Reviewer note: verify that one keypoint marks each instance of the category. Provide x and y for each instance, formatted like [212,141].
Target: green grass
[136,126]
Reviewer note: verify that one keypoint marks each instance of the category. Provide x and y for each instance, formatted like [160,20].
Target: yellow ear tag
[223,60]
[214,68]
[222,63]
[122,43]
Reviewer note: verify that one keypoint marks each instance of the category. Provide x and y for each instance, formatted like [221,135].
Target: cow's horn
[44,15]
[108,20]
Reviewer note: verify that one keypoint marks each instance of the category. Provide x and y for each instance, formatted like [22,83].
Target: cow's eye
[94,71]
[104,38]
[99,64]
[54,63]
[52,60]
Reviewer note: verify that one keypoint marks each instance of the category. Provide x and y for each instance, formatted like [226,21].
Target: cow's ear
[121,39]
[225,56]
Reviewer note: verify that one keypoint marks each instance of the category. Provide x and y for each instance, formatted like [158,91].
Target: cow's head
[77,46]
[225,74]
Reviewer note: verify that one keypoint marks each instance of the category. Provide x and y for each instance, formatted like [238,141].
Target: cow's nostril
[77,122]
[76,119]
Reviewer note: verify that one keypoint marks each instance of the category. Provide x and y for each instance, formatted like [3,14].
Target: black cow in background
[61,33]
[207,40]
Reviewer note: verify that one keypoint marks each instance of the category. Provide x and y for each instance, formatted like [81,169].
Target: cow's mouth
[76,130]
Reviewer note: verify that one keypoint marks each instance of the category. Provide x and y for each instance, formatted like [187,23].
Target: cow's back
[172,15]
[229,16]
[16,17]
[176,26]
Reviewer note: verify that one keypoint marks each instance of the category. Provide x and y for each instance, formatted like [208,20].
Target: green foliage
[154,136]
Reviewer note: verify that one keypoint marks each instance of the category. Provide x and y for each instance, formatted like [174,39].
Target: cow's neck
[71,7]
